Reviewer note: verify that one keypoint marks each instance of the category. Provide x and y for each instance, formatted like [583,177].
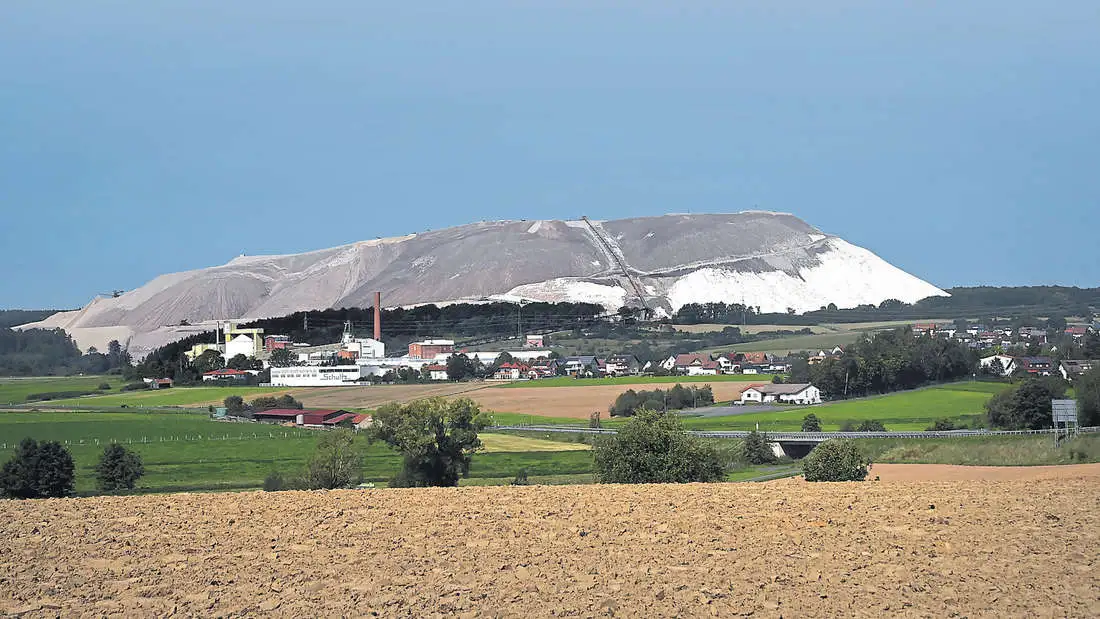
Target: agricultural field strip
[805,436]
[999,549]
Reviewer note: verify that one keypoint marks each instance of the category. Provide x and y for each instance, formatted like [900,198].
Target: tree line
[677,398]
[887,361]
[974,302]
[51,352]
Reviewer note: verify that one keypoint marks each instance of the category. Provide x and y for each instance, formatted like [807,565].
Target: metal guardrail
[809,437]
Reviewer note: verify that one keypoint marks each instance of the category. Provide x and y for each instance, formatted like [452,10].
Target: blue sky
[959,141]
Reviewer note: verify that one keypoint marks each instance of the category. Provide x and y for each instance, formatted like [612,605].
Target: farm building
[1072,368]
[308,416]
[226,374]
[797,393]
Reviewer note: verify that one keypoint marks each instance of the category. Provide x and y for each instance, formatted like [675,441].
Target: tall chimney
[378,316]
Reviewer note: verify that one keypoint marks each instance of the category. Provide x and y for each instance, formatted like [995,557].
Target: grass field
[178,396]
[984,451]
[824,336]
[794,343]
[184,451]
[16,390]
[749,329]
[565,381]
[902,411]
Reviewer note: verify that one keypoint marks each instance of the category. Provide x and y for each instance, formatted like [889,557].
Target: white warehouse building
[316,376]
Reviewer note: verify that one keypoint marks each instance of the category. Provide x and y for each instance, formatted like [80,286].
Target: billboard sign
[1064,411]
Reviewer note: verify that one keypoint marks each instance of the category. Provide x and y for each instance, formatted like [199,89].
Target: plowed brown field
[576,402]
[939,549]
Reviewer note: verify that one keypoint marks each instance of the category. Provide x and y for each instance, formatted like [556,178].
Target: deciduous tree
[437,439]
[336,463]
[118,469]
[652,447]
[38,470]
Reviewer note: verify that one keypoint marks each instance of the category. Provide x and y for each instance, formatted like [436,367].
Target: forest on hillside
[977,303]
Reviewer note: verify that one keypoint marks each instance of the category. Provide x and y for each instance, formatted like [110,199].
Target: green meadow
[902,411]
[190,452]
[16,390]
[177,396]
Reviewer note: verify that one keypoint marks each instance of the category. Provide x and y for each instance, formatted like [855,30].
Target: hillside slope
[771,260]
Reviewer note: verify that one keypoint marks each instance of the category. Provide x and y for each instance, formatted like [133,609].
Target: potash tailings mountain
[771,260]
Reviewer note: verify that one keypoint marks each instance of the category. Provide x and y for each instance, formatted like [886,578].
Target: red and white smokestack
[378,316]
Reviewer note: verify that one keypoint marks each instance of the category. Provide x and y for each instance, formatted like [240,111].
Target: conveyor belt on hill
[610,249]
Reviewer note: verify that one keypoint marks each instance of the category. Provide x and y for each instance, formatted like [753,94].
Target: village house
[543,369]
[435,371]
[582,366]
[695,364]
[1034,334]
[1007,363]
[1077,332]
[511,371]
[1036,366]
[622,365]
[226,374]
[796,393]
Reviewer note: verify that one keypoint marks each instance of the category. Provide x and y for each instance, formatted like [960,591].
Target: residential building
[547,369]
[534,341]
[226,374]
[584,365]
[1033,333]
[1077,331]
[684,363]
[1071,369]
[622,365]
[779,365]
[510,371]
[1008,364]
[1036,366]
[707,368]
[435,371]
[795,393]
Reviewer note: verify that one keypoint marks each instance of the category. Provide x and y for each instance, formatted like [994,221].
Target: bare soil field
[952,472]
[373,397]
[578,402]
[990,548]
[575,402]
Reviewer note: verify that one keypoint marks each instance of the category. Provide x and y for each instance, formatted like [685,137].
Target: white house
[797,393]
[1008,364]
[435,371]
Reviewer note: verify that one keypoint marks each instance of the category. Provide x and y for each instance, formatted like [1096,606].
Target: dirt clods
[990,548]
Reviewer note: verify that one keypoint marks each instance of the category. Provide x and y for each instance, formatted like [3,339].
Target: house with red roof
[435,371]
[511,371]
[226,374]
